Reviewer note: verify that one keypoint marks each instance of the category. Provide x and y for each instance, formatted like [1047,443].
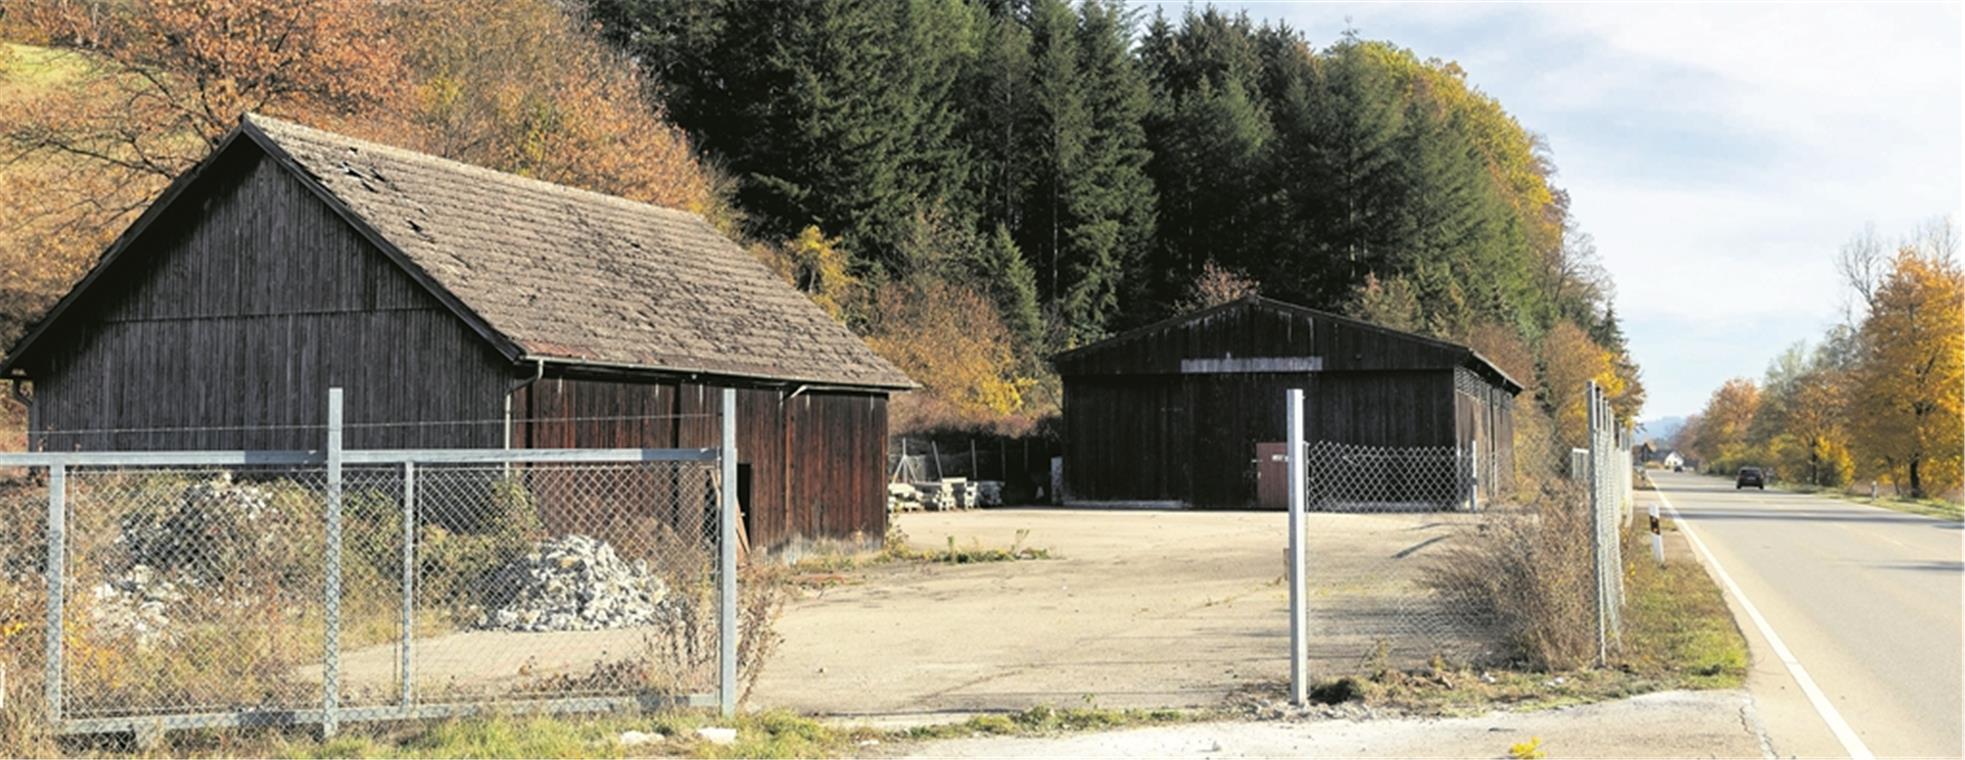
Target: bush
[23,605]
[1530,573]
[460,551]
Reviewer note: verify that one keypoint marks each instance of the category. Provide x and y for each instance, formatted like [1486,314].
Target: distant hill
[1662,428]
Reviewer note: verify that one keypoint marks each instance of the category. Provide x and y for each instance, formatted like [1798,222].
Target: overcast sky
[1719,154]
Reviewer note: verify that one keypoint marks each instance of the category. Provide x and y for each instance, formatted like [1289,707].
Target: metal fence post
[726,547]
[1595,409]
[409,582]
[1474,489]
[331,654]
[1299,643]
[57,556]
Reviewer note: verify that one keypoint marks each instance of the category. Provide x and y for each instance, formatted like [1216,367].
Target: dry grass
[823,567]
[1678,634]
[1529,572]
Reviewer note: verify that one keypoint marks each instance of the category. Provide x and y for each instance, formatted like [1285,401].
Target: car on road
[1750,476]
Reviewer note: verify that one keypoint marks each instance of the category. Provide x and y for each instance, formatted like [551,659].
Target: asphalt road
[1863,605]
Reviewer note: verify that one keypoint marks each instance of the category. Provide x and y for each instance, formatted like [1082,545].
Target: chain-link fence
[1377,517]
[1020,465]
[1410,554]
[222,589]
[1610,497]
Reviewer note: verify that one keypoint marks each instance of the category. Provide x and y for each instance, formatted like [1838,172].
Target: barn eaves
[553,274]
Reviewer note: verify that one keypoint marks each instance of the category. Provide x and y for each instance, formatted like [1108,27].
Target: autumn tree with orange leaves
[1722,436]
[1909,408]
[128,96]
[1880,399]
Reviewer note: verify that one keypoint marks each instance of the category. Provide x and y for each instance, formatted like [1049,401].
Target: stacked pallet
[944,494]
[901,497]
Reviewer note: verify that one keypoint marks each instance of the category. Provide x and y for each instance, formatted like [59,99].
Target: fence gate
[240,588]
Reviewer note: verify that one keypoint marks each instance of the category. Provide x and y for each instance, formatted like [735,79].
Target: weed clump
[1529,574]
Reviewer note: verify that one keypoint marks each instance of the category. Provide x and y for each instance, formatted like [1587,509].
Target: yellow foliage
[1721,438]
[816,265]
[949,339]
[1570,359]
[522,87]
[1503,346]
[1217,285]
[1909,421]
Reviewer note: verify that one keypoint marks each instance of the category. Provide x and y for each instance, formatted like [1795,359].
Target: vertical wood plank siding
[227,321]
[1136,427]
[814,461]
[225,327]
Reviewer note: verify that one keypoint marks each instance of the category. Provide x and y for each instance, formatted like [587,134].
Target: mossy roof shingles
[573,275]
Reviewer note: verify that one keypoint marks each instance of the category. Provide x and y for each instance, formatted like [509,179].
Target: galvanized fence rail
[189,589]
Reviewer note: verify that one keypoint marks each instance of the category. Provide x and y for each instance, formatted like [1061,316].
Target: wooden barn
[1174,412]
[457,307]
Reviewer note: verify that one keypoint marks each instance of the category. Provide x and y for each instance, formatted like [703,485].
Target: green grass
[1051,720]
[1677,628]
[896,549]
[765,735]
[768,734]
[1940,508]
[28,69]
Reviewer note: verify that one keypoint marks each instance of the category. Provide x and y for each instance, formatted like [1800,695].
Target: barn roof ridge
[1254,300]
[552,273]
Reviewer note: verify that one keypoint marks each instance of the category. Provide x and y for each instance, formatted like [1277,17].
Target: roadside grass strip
[769,734]
[1938,508]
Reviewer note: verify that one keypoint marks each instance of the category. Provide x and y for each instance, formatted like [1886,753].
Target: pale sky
[1719,154]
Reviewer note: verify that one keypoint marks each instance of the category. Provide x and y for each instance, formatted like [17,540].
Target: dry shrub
[1529,572]
[689,646]
[23,605]
[682,656]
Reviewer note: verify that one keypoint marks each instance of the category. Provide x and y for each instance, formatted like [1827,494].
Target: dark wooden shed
[1174,411]
[457,307]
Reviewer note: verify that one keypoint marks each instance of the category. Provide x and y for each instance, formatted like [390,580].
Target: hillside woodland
[972,185]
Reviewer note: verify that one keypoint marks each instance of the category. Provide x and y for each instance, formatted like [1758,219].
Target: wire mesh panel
[1379,518]
[1610,497]
[213,596]
[564,581]
[1407,560]
[192,591]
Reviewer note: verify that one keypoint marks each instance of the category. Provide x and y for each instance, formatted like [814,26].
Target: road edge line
[1851,743]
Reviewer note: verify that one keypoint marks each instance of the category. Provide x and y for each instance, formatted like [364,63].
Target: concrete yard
[1136,609]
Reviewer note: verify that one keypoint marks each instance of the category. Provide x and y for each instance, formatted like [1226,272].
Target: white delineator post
[1299,651]
[1657,537]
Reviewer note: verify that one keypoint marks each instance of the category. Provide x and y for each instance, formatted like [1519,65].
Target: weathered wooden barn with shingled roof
[458,307]
[1174,412]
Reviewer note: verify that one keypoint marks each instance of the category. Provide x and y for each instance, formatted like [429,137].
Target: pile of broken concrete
[575,583]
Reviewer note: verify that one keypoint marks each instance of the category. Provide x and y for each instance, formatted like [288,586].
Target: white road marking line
[1843,733]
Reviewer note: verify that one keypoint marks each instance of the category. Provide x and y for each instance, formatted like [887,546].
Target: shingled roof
[559,274]
[581,276]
